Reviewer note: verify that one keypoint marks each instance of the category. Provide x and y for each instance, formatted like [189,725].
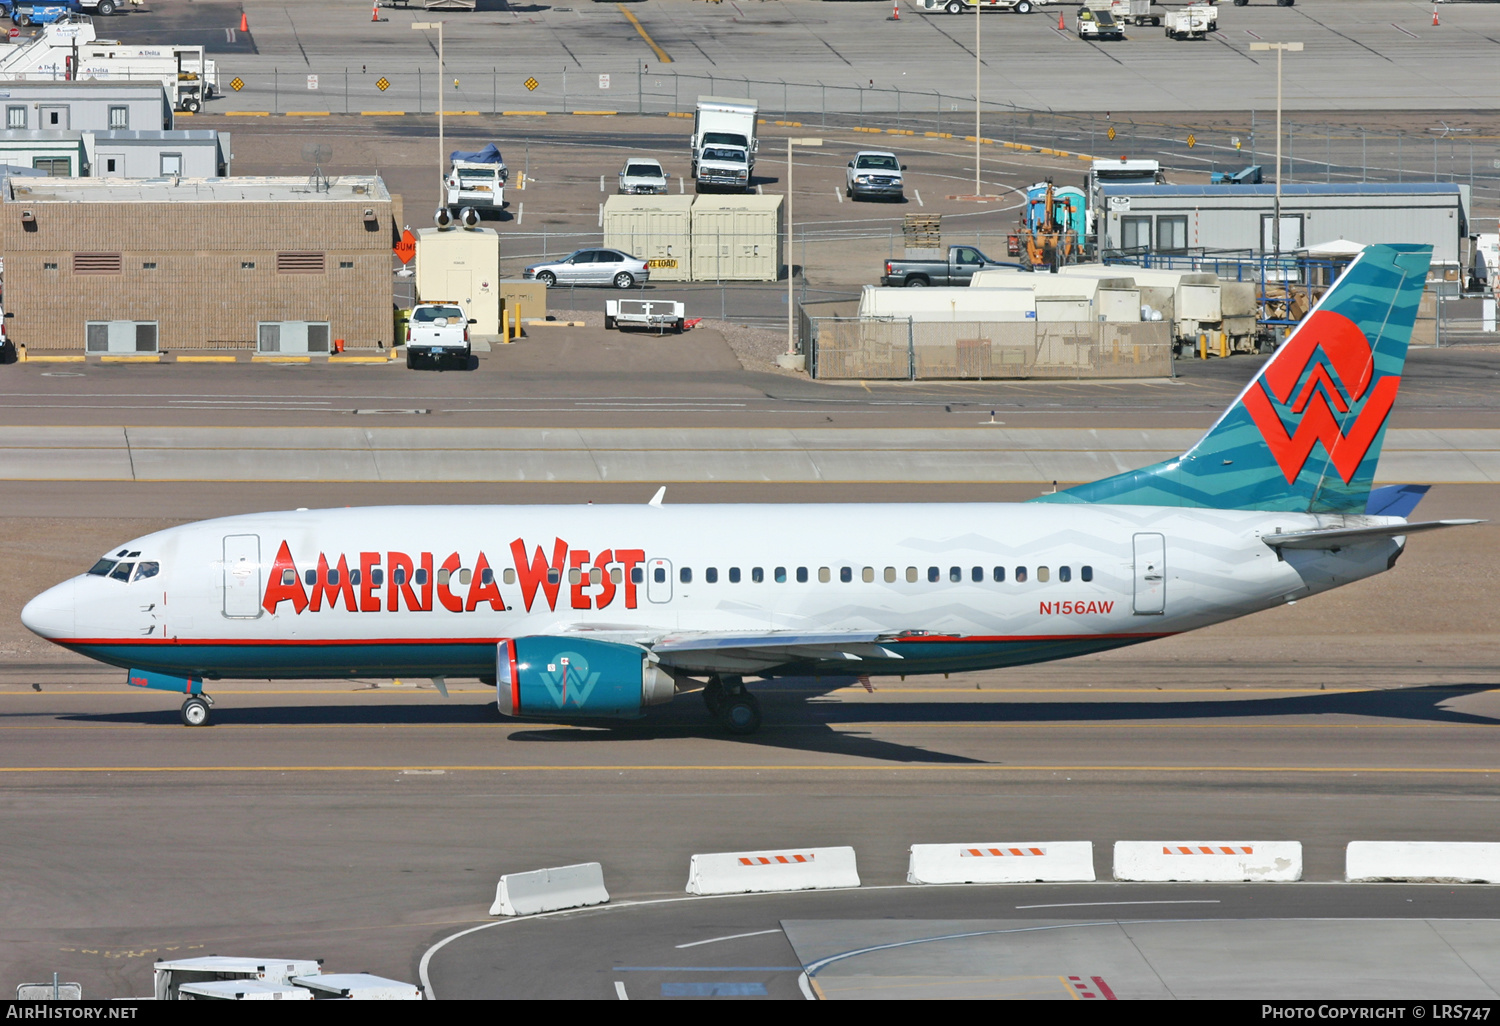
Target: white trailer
[1014,6]
[659,315]
[1191,22]
[1135,12]
[242,990]
[948,303]
[358,987]
[173,974]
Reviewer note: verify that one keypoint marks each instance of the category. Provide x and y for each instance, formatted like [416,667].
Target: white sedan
[591,267]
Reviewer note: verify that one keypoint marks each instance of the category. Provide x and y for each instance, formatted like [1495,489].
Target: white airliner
[601,611]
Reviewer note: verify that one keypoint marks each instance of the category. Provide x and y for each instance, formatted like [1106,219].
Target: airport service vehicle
[26,14]
[959,6]
[591,611]
[1098,23]
[477,179]
[1048,235]
[1134,12]
[960,266]
[1191,22]
[1484,271]
[659,315]
[1279,3]
[438,333]
[723,144]
[876,174]
[68,49]
[592,267]
[642,176]
[1105,171]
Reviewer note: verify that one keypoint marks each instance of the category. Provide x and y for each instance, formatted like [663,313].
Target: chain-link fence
[863,348]
[1323,152]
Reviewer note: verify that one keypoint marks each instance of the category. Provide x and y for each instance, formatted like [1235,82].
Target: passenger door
[1150,575]
[659,580]
[242,576]
[577,270]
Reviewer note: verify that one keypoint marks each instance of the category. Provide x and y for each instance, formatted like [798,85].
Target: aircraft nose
[52,614]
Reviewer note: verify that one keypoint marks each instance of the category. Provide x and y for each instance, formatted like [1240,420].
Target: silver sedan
[592,267]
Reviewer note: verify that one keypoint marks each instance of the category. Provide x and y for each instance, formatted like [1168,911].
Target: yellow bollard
[1223,345]
[518,321]
[1202,346]
[504,326]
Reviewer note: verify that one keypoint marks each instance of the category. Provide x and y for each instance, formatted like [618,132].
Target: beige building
[261,264]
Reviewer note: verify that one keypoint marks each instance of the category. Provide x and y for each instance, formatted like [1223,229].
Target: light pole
[791,342]
[422,26]
[1280,48]
[978,16]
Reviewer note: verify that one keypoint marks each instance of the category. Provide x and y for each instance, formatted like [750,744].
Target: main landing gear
[733,706]
[195,711]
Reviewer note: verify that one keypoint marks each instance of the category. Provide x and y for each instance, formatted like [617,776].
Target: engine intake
[549,676]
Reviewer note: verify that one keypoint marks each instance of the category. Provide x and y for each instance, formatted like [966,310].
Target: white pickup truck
[438,333]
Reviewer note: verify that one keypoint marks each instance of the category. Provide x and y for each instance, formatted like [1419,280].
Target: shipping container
[461,265]
[656,229]
[737,238]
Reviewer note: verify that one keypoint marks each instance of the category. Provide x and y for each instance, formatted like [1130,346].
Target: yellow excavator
[1047,236]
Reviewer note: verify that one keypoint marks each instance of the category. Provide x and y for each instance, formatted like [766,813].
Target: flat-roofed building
[265,264]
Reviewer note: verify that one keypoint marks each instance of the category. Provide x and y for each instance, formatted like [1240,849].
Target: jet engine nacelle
[561,676]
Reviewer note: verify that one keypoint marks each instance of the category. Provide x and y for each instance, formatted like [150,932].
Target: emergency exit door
[242,576]
[659,580]
[1150,575]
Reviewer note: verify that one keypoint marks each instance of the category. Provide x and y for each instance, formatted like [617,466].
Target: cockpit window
[146,569]
[102,568]
[121,572]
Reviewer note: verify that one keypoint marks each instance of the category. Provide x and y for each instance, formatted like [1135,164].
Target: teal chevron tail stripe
[1305,434]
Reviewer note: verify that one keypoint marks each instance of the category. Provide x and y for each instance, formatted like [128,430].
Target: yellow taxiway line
[661,54]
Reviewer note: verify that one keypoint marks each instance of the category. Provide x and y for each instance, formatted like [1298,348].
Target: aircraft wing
[753,651]
[1338,537]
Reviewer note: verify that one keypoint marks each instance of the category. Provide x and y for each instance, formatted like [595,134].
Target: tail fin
[1305,434]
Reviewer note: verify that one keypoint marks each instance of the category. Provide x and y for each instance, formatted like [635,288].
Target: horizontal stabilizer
[1395,500]
[1338,537]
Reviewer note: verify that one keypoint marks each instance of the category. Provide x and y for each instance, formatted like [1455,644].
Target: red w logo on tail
[1348,352]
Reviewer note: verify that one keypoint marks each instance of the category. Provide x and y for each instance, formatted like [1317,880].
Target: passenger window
[442,577]
[102,568]
[955,574]
[824,575]
[757,575]
[575,576]
[1065,574]
[333,577]
[890,575]
[1020,575]
[734,575]
[1086,572]
[596,576]
[911,575]
[486,576]
[781,575]
[933,574]
[354,577]
[637,575]
[616,575]
[421,577]
[999,574]
[685,575]
[1042,574]
[867,574]
[977,575]
[288,577]
[377,576]
[398,575]
[464,576]
[711,575]
[553,576]
[802,575]
[509,576]
[846,574]
[145,570]
[311,577]
[659,575]
[122,572]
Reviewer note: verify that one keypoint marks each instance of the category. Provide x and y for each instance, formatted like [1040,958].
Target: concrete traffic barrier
[1040,862]
[795,869]
[1434,861]
[1208,860]
[547,890]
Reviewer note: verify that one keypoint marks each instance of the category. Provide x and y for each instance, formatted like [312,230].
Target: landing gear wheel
[713,697]
[195,712]
[740,713]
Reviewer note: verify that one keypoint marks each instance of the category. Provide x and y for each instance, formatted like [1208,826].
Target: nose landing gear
[733,706]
